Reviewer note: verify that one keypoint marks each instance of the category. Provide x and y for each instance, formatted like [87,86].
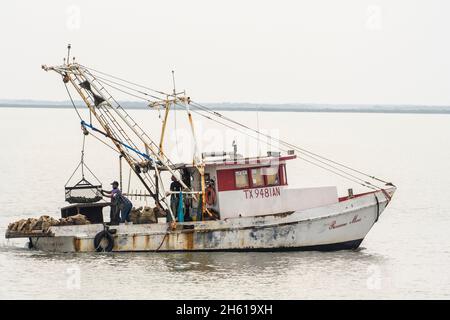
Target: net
[83,192]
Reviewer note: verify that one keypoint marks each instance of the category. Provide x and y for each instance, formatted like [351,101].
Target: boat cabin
[244,187]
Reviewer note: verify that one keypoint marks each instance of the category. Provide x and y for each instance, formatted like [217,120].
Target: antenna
[69,46]
[173,80]
[258,144]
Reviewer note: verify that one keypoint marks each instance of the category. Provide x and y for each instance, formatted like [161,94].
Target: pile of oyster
[43,223]
[144,215]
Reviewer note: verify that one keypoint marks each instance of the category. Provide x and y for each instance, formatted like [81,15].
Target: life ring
[103,241]
[210,195]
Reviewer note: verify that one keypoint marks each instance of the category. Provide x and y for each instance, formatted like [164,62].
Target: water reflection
[206,262]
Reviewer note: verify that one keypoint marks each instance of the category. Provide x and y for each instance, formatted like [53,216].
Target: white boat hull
[334,227]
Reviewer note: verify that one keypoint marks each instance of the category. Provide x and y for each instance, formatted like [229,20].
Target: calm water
[406,254]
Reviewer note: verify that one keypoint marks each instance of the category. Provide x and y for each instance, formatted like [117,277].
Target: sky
[318,51]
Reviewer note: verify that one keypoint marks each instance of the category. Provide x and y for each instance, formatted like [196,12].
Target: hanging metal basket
[83,192]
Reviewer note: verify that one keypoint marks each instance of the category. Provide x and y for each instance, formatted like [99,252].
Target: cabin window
[272,177]
[257,178]
[237,179]
[241,179]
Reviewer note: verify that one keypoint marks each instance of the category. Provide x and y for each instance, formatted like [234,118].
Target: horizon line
[262,107]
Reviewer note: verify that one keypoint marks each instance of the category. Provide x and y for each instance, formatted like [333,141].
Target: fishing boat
[235,202]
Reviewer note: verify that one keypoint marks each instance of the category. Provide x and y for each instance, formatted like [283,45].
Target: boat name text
[262,193]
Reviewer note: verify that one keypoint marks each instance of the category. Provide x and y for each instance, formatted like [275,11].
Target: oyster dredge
[220,201]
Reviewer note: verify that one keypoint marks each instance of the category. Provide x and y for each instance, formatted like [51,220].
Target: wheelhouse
[241,187]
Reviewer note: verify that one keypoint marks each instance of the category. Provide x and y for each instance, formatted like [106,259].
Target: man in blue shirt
[119,201]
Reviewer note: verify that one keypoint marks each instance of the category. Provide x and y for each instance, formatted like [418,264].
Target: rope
[72,174]
[164,239]
[146,156]
[92,174]
[129,181]
[71,100]
[81,163]
[82,156]
[100,140]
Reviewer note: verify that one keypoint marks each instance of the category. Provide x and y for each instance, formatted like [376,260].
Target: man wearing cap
[175,187]
[119,203]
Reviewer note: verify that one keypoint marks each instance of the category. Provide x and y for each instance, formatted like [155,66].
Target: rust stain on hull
[189,240]
[134,241]
[77,244]
[147,241]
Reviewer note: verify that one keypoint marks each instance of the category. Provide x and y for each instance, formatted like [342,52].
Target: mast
[163,129]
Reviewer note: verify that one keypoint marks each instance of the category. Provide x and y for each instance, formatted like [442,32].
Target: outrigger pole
[105,109]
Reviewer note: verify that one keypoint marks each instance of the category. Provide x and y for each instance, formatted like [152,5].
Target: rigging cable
[119,133]
[302,150]
[219,115]
[361,181]
[119,84]
[100,140]
[83,165]
[127,81]
[71,100]
[82,124]
[152,143]
[355,178]
[284,142]
[121,90]
[146,156]
[118,106]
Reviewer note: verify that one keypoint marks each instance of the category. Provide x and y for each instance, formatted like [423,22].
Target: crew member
[119,203]
[175,187]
